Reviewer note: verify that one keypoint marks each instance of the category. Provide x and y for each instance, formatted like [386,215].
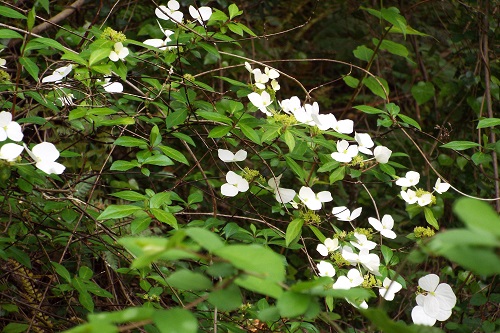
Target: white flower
[10,151]
[202,14]
[235,183]
[261,101]
[389,289]
[411,179]
[330,245]
[424,199]
[365,142]
[353,279]
[342,213]
[384,227]
[227,156]
[362,242]
[45,155]
[409,196]
[283,195]
[441,187]
[161,43]
[119,52]
[382,154]
[58,74]
[66,99]
[345,152]
[345,126]
[312,200]
[8,128]
[435,304]
[3,62]
[325,269]
[170,12]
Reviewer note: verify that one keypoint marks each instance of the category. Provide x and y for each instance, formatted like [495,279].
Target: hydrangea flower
[389,289]
[329,245]
[411,179]
[59,74]
[353,279]
[201,14]
[227,156]
[441,187]
[384,227]
[261,101]
[325,269]
[8,128]
[10,151]
[382,154]
[45,155]
[365,142]
[435,303]
[342,213]
[345,152]
[312,200]
[170,12]
[119,52]
[283,195]
[235,184]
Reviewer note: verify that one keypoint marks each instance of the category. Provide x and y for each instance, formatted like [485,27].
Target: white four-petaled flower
[235,184]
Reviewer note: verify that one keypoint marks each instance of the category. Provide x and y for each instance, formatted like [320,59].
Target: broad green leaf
[205,238]
[226,299]
[292,304]
[368,109]
[460,145]
[30,67]
[189,280]
[118,212]
[62,271]
[429,217]
[174,154]
[128,141]
[11,13]
[175,321]
[363,53]
[488,122]
[293,230]
[423,92]
[9,34]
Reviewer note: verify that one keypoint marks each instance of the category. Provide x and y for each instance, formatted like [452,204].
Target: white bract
[382,154]
[389,289]
[365,142]
[45,155]
[10,151]
[435,303]
[325,269]
[261,101]
[8,128]
[119,52]
[201,14]
[235,184]
[384,227]
[283,195]
[59,74]
[411,179]
[342,213]
[329,245]
[227,156]
[345,152]
[312,200]
[353,279]
[441,187]
[170,12]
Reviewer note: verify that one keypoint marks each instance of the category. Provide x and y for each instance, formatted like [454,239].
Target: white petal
[229,190]
[419,317]
[10,151]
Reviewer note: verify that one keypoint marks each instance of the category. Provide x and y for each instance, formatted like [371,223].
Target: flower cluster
[43,154]
[419,196]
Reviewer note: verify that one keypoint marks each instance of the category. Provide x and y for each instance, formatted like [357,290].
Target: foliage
[173,181]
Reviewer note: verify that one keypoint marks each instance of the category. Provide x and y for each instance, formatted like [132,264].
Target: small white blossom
[312,200]
[384,227]
[325,269]
[382,154]
[345,152]
[119,52]
[227,156]
[235,184]
[170,12]
[45,155]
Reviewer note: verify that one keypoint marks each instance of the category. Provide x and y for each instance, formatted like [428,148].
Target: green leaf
[257,260]
[363,53]
[293,230]
[378,86]
[423,92]
[226,299]
[292,304]
[11,13]
[118,212]
[175,321]
[409,121]
[250,133]
[30,67]
[369,109]
[174,154]
[128,141]
[62,271]
[9,34]
[488,122]
[460,145]
[429,217]
[189,280]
